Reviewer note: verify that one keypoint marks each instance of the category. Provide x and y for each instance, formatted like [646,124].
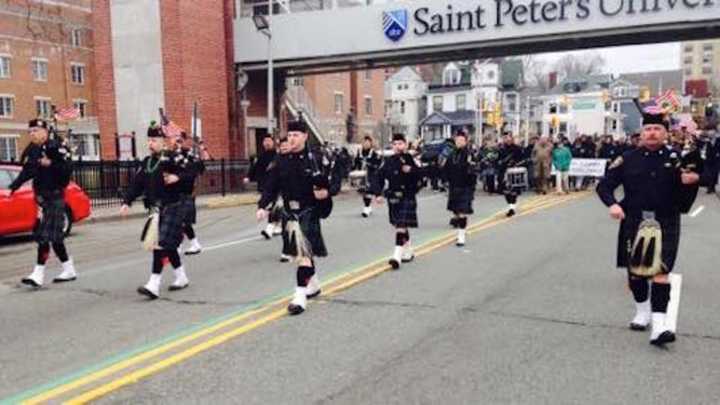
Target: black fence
[106,182]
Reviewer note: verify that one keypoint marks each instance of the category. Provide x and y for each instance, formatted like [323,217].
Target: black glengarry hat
[38,123]
[398,137]
[155,131]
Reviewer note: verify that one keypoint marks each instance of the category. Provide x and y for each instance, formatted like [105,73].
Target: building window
[563,127]
[402,107]
[688,48]
[81,106]
[438,103]
[553,108]
[78,73]
[76,37]
[43,108]
[4,67]
[452,77]
[461,102]
[368,75]
[688,72]
[368,105]
[8,148]
[86,145]
[688,60]
[707,58]
[40,70]
[338,103]
[6,106]
[563,108]
[707,70]
[707,47]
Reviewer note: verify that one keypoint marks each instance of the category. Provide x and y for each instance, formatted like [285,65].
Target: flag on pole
[67,114]
[171,129]
[669,102]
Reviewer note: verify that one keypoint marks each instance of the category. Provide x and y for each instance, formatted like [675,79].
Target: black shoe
[409,259]
[314,295]
[30,282]
[58,280]
[510,213]
[295,309]
[284,259]
[394,264]
[637,327]
[265,235]
[364,215]
[178,287]
[195,252]
[458,244]
[144,291]
[665,337]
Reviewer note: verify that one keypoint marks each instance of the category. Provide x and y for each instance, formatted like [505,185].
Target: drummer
[366,163]
[510,156]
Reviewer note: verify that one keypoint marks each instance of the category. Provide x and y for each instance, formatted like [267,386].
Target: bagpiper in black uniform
[509,156]
[460,172]
[367,160]
[193,166]
[402,175]
[286,254]
[299,178]
[259,174]
[47,163]
[659,185]
[160,179]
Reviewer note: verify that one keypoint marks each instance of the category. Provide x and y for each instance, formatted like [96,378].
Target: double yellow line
[256,318]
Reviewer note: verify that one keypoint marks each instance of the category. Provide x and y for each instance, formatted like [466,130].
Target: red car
[19,213]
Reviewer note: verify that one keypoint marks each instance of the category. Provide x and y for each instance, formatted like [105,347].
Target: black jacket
[149,181]
[295,176]
[390,172]
[651,182]
[47,181]
[259,169]
[459,169]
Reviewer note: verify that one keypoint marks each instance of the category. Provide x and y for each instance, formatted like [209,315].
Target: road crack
[372,304]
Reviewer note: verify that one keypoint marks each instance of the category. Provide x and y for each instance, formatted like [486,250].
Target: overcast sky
[632,59]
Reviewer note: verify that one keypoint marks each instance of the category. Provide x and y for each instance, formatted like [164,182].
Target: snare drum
[516,177]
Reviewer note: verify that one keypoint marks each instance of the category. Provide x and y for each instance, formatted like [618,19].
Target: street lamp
[263,24]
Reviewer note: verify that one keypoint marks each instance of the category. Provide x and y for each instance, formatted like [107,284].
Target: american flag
[669,102]
[67,114]
[171,129]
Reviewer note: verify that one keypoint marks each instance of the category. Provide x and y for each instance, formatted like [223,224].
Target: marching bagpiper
[659,185]
[402,175]
[47,163]
[160,179]
[460,173]
[299,178]
[259,174]
[367,162]
[193,166]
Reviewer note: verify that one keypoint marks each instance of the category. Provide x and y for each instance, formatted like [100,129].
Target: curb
[210,203]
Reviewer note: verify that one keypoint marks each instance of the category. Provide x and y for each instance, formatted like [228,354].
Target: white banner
[586,167]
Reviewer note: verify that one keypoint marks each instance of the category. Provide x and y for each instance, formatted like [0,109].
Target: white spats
[195,247]
[284,258]
[36,278]
[658,325]
[267,233]
[313,287]
[396,258]
[674,304]
[277,229]
[408,254]
[299,302]
[152,288]
[181,279]
[642,316]
[366,212]
[68,273]
[461,237]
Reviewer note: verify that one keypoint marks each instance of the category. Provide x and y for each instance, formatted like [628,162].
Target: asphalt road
[530,311]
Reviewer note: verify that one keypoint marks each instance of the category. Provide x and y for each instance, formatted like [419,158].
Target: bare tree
[586,63]
[535,72]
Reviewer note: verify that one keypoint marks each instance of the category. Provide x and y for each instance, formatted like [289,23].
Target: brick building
[46,59]
[170,54]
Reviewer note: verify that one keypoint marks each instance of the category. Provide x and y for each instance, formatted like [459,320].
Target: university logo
[395,24]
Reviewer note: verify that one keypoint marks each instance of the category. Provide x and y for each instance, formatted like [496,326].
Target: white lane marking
[697,211]
[233,243]
[674,305]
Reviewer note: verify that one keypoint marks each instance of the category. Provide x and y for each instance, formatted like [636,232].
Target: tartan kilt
[460,200]
[309,221]
[172,219]
[191,210]
[403,212]
[670,240]
[50,229]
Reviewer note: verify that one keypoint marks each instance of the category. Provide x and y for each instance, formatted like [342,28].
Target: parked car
[18,214]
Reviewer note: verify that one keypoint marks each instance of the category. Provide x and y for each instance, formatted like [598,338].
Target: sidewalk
[203,202]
